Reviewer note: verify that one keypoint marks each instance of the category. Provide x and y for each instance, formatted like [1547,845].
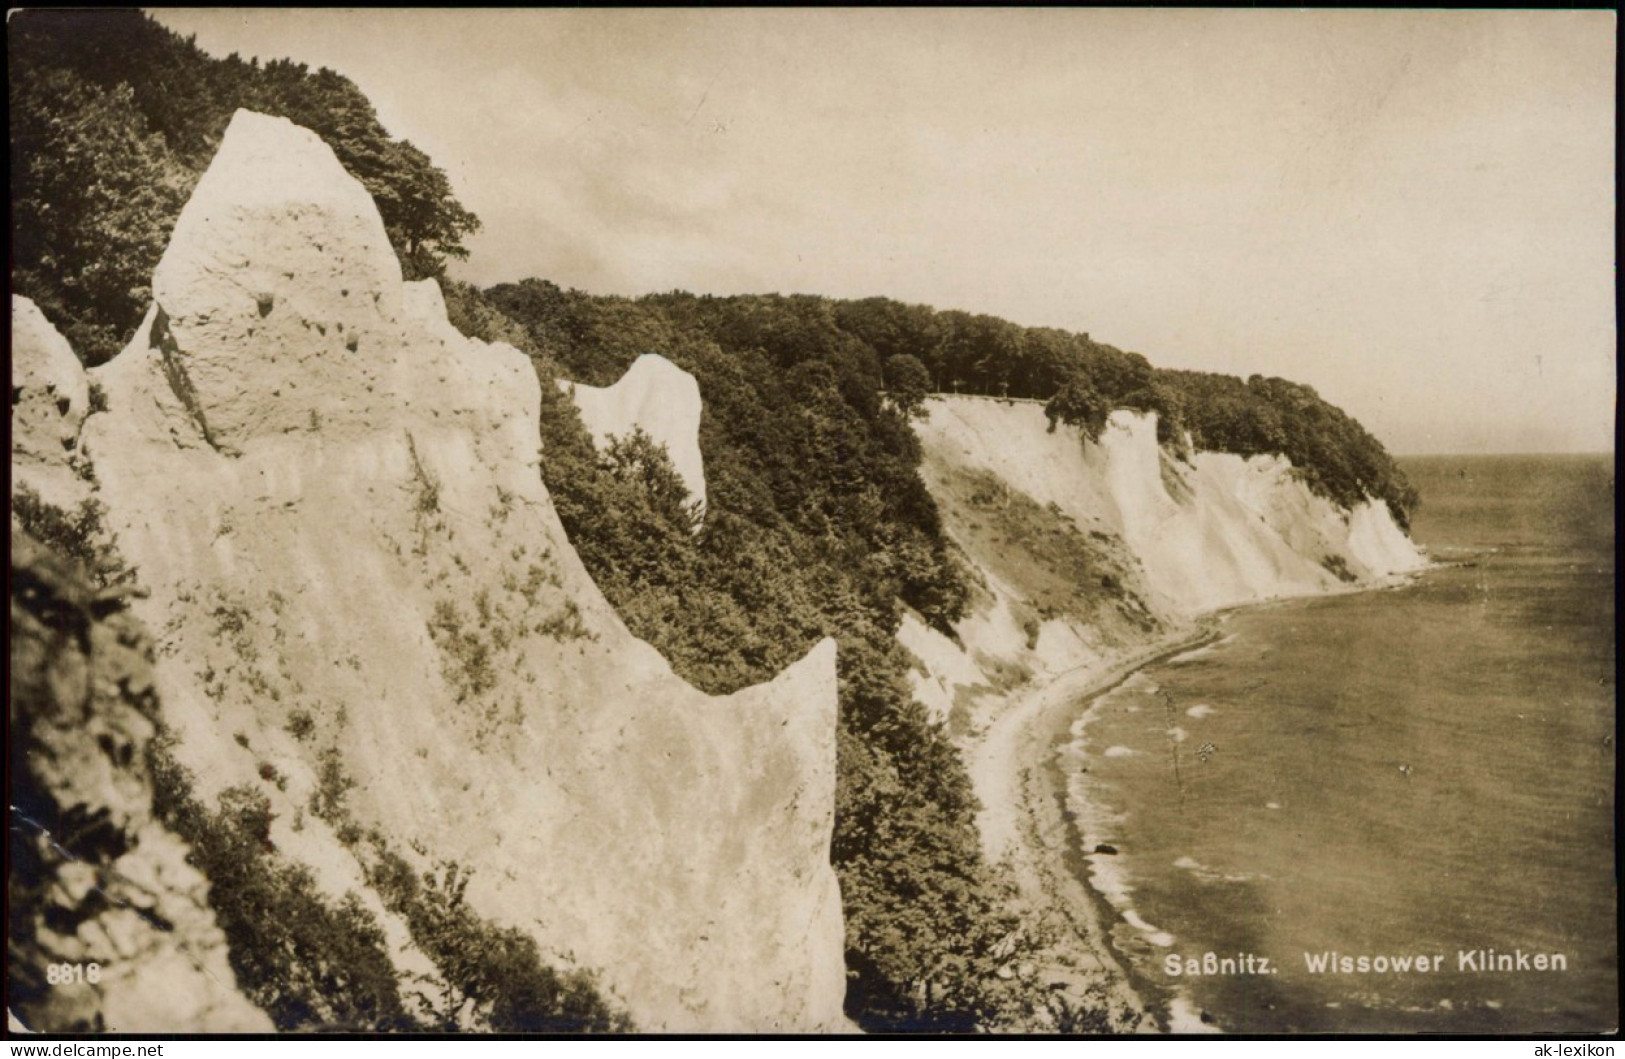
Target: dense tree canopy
[1082,381]
[1334,453]
[114,118]
[94,195]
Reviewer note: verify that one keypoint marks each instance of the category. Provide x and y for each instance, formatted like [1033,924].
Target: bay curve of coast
[1026,822]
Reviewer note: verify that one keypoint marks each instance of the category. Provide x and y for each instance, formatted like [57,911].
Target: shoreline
[1165,1007]
[1027,824]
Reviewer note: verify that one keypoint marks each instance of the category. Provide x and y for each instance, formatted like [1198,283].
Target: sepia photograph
[812,522]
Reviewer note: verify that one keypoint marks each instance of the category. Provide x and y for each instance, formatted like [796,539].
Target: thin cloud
[1402,209]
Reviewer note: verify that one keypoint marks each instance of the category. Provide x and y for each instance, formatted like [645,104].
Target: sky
[1412,212]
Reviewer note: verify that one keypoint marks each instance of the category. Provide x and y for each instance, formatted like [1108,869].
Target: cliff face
[1158,540]
[335,500]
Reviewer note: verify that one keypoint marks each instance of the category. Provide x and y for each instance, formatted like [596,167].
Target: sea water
[1389,811]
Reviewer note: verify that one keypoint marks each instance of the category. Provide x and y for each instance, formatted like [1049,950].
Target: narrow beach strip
[1023,819]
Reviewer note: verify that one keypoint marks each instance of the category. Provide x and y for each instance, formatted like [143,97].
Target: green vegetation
[466,655]
[300,724]
[492,979]
[1081,380]
[1041,552]
[1339,566]
[428,489]
[1078,403]
[908,384]
[317,965]
[79,534]
[1334,454]
[475,647]
[113,120]
[333,785]
[817,524]
[311,964]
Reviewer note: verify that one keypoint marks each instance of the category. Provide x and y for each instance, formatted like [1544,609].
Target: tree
[425,222]
[1079,404]
[113,120]
[1169,407]
[908,384]
[643,463]
[94,199]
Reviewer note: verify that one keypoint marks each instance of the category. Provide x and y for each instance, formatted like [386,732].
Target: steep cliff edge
[1216,531]
[335,500]
[1095,557]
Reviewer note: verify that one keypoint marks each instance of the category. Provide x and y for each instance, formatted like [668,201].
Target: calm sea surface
[1418,772]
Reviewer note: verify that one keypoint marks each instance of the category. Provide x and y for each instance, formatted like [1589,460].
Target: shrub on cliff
[310,963]
[79,534]
[492,978]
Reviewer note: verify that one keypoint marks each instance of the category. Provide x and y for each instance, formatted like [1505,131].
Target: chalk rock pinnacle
[280,280]
[661,399]
[50,397]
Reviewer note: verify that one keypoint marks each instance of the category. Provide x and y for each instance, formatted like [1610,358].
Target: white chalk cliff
[50,398]
[1217,531]
[657,397]
[335,500]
